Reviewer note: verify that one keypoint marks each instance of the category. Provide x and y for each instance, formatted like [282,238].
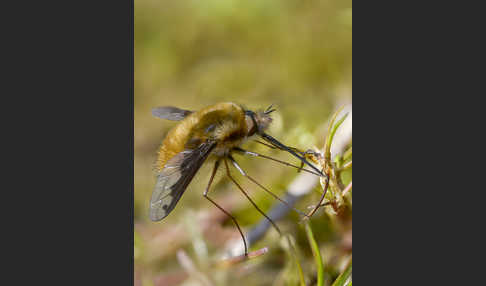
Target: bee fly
[216,131]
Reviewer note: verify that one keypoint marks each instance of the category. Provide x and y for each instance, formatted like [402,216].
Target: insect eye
[249,113]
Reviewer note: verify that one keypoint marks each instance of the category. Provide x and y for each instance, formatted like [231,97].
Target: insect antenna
[238,167]
[205,194]
[228,173]
[269,109]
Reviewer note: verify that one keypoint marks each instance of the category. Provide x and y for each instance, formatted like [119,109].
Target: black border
[67,109]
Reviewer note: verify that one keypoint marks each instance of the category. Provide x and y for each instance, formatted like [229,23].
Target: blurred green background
[294,54]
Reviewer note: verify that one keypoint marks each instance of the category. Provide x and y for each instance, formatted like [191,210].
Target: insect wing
[174,178]
[170,113]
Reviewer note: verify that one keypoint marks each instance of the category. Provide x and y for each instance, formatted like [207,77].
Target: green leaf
[345,275]
[292,251]
[333,130]
[317,254]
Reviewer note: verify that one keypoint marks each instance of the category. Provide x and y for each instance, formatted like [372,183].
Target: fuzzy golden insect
[215,131]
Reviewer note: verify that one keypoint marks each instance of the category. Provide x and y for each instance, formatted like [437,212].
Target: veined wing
[170,113]
[174,178]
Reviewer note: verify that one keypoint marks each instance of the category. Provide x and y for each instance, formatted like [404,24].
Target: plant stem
[317,254]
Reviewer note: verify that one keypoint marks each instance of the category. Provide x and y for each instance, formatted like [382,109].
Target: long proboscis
[281,146]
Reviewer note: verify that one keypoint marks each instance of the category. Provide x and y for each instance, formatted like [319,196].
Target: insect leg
[205,194]
[275,147]
[279,145]
[238,167]
[254,154]
[319,206]
[268,145]
[320,200]
[248,197]
[295,149]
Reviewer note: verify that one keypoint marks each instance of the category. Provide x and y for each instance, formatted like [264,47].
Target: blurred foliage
[294,54]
